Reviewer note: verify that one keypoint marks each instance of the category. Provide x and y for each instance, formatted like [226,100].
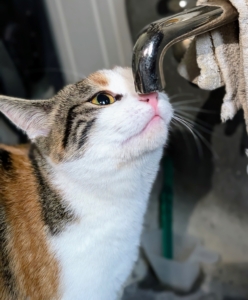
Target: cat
[72,202]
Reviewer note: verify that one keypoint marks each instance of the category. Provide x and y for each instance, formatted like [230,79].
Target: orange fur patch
[34,267]
[99,78]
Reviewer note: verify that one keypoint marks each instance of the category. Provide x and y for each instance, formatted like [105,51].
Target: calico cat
[72,203]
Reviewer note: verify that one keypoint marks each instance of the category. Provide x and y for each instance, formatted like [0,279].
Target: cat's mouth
[153,119]
[156,118]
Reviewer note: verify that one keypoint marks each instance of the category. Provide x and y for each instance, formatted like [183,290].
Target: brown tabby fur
[35,270]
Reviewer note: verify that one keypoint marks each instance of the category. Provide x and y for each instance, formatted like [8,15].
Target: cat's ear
[32,116]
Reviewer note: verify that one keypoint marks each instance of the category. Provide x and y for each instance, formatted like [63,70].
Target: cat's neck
[106,180]
[108,201]
[109,205]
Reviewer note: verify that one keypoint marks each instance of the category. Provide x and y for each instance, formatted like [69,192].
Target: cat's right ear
[32,116]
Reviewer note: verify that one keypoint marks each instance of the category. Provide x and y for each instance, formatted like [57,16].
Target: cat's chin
[153,136]
[149,131]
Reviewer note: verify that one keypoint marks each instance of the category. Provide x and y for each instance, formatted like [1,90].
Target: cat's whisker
[180,95]
[198,134]
[200,125]
[195,123]
[207,144]
[191,117]
[204,140]
[185,102]
[177,118]
[184,123]
[188,108]
[179,126]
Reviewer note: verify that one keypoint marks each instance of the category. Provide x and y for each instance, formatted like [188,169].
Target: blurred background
[195,243]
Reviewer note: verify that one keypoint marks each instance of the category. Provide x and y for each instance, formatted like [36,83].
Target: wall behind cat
[89,35]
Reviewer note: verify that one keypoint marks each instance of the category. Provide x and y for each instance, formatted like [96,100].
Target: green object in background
[166,208]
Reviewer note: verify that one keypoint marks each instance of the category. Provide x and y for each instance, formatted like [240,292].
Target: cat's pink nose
[151,99]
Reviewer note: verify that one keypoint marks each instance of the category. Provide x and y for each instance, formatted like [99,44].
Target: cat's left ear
[32,116]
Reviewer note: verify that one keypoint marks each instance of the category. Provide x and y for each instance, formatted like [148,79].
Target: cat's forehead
[118,80]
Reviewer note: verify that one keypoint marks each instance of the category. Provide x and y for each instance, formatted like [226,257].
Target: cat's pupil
[103,99]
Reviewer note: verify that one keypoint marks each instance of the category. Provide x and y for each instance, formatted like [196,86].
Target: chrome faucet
[157,37]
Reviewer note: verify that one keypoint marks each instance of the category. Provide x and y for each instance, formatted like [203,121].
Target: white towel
[220,57]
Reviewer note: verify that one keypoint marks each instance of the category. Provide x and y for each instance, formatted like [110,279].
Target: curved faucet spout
[157,37]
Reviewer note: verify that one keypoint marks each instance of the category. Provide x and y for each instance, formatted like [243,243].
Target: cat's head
[101,115]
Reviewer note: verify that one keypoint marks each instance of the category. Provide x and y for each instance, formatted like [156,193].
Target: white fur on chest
[97,253]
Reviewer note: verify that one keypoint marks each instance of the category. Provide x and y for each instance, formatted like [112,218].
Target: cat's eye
[103,99]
